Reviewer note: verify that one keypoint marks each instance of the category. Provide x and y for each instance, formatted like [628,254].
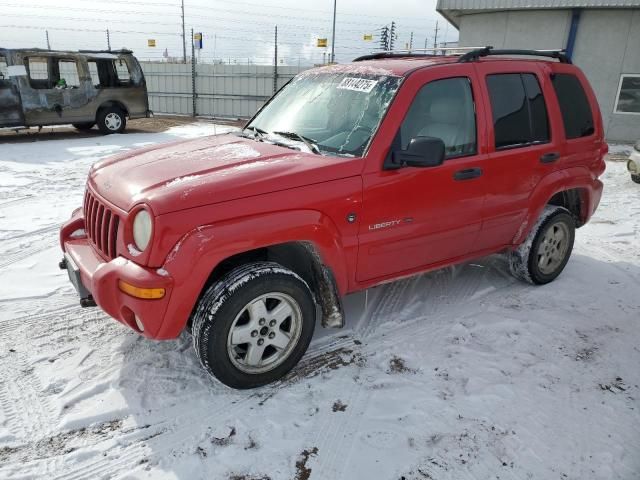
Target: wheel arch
[112,103]
[301,257]
[307,242]
[571,188]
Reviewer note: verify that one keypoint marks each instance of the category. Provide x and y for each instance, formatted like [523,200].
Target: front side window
[338,112]
[38,68]
[628,100]
[519,111]
[443,109]
[574,105]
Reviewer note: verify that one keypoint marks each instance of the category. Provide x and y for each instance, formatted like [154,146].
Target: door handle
[549,157]
[467,174]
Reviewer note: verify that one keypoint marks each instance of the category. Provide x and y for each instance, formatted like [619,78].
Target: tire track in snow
[333,435]
[15,257]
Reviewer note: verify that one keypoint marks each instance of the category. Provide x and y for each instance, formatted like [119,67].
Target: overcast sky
[236,30]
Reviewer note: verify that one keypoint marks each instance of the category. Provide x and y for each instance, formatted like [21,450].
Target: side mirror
[422,152]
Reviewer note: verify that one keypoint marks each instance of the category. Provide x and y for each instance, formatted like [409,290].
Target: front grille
[101,225]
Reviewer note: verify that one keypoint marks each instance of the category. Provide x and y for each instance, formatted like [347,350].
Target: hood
[193,173]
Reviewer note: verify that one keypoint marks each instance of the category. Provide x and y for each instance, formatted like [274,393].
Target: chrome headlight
[637,147]
[142,226]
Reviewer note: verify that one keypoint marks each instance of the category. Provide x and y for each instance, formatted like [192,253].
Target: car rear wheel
[111,120]
[635,178]
[547,248]
[253,326]
[84,126]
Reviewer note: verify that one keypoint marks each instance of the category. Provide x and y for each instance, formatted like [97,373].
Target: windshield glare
[339,112]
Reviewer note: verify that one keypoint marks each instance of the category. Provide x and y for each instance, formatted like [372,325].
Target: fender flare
[556,182]
[201,250]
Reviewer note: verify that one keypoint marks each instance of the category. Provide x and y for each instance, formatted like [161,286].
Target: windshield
[336,113]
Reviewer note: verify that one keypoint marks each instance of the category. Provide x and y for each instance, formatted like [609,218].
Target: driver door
[414,218]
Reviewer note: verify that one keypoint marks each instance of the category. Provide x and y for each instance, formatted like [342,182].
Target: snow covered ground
[464,373]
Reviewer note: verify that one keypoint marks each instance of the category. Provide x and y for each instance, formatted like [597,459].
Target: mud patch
[302,471]
[61,444]
[324,363]
[617,386]
[224,441]
[338,406]
[398,365]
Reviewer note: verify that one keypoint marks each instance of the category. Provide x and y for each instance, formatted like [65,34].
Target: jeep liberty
[350,176]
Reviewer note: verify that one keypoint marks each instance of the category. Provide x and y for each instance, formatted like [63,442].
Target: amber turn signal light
[137,292]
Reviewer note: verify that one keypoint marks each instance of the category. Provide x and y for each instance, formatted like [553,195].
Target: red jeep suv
[350,176]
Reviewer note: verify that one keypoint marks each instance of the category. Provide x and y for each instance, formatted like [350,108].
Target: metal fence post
[193,76]
[275,64]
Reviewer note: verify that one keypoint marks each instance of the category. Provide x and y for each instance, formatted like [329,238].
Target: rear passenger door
[523,147]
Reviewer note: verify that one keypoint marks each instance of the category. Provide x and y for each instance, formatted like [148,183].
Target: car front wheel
[635,178]
[253,326]
[546,250]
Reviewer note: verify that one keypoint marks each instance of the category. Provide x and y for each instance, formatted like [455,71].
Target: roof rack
[474,55]
[122,51]
[417,53]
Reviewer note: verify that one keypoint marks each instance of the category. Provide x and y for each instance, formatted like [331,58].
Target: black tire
[635,178]
[525,261]
[83,126]
[111,120]
[223,306]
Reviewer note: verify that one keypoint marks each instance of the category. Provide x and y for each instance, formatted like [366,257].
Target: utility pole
[333,34]
[108,41]
[275,62]
[411,42]
[193,75]
[384,38]
[392,35]
[48,44]
[435,37]
[184,40]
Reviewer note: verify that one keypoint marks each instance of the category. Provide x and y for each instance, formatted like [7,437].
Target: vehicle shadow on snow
[189,415]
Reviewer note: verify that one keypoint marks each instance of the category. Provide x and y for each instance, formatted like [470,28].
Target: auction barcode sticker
[357,84]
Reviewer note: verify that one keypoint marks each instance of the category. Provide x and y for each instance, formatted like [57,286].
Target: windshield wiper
[257,132]
[309,142]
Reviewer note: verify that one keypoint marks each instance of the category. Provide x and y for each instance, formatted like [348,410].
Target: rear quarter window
[574,105]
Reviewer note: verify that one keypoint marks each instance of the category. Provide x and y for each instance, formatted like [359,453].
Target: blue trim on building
[573,32]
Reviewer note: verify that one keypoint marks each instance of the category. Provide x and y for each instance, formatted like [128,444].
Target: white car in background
[633,164]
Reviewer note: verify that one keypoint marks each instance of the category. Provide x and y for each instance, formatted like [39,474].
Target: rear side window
[574,105]
[68,74]
[518,108]
[122,72]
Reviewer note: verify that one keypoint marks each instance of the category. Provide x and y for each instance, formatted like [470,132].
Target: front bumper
[633,164]
[96,280]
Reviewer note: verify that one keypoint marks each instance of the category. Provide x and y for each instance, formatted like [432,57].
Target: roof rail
[474,55]
[417,53]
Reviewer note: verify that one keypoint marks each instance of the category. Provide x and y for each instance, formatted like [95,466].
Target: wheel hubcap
[553,248]
[113,121]
[264,333]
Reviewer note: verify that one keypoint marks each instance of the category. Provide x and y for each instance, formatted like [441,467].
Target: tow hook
[88,302]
